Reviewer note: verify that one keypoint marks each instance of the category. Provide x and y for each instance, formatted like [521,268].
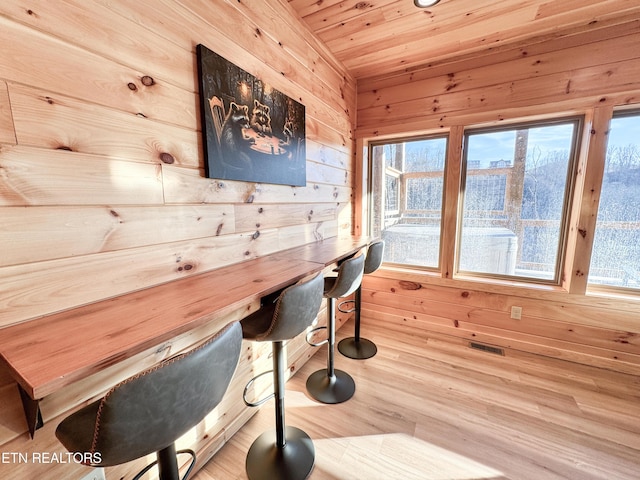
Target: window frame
[402,191]
[595,288]
[565,216]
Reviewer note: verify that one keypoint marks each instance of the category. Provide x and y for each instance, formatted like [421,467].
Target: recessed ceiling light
[425,3]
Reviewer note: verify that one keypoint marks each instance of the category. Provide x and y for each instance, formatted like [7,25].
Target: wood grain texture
[48,354]
[585,227]
[46,120]
[607,337]
[428,407]
[7,132]
[123,74]
[29,232]
[602,79]
[102,186]
[183,185]
[84,147]
[55,351]
[251,217]
[537,61]
[91,278]
[115,32]
[33,177]
[217,428]
[388,36]
[583,74]
[38,59]
[579,74]
[453,177]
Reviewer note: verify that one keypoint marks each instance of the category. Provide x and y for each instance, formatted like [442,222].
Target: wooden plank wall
[102,187]
[588,73]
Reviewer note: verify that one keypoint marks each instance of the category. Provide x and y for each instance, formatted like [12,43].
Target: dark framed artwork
[251,132]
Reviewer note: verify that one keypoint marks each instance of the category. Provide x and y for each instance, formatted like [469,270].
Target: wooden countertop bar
[48,353]
[327,252]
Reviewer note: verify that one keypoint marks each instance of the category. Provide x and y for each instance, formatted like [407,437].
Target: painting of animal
[262,137]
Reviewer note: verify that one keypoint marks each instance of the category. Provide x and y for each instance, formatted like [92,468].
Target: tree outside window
[407,186]
[515,189]
[615,259]
[515,198]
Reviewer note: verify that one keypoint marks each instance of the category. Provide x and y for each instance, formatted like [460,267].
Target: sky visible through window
[625,133]
[514,198]
[494,205]
[495,146]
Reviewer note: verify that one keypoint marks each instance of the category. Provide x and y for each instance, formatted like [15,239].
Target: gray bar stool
[357,347]
[149,411]
[286,453]
[331,385]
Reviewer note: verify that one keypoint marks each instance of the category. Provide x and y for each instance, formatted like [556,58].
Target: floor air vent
[487,348]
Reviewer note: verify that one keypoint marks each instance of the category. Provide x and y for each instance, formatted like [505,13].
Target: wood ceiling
[378,37]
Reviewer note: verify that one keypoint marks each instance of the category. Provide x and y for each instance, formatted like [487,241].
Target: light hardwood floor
[428,409]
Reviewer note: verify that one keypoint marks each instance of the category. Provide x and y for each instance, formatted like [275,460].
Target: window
[407,186]
[392,193]
[615,259]
[516,184]
[486,192]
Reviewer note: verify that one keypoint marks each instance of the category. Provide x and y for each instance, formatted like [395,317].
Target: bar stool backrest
[375,252]
[348,280]
[296,309]
[151,410]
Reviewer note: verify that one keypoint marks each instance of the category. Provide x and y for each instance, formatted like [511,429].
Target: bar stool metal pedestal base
[357,349]
[330,385]
[267,461]
[286,453]
[331,389]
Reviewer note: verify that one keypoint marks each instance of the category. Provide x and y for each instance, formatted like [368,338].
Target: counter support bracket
[31,410]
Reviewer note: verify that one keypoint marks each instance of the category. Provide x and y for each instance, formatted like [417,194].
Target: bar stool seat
[331,385]
[286,453]
[357,347]
[149,411]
